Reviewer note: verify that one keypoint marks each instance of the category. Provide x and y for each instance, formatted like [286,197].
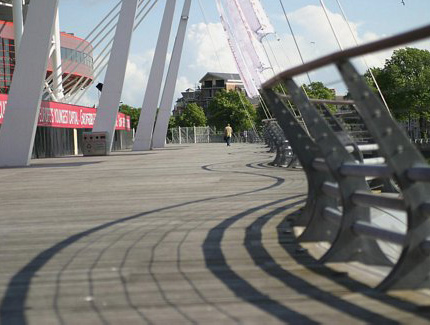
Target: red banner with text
[59,115]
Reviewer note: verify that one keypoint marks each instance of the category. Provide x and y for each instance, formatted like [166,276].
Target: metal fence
[206,134]
[340,169]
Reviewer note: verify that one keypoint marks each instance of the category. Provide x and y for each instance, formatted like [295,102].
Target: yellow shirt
[228,131]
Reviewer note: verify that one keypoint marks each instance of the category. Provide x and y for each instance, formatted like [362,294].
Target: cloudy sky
[206,48]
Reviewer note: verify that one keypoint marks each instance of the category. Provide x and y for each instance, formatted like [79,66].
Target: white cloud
[317,39]
[137,73]
[136,78]
[210,46]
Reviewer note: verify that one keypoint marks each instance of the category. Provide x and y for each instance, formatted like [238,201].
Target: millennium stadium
[70,71]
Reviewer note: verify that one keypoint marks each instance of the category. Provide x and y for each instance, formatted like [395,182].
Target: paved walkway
[187,234]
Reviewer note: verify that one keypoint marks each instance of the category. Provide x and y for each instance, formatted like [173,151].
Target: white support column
[111,95]
[22,110]
[152,94]
[75,142]
[58,92]
[162,123]
[195,134]
[18,23]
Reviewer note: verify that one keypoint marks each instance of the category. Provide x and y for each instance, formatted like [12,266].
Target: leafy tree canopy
[314,90]
[172,122]
[231,107]
[193,115]
[134,114]
[317,90]
[405,83]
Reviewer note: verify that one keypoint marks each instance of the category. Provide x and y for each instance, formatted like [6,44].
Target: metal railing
[275,139]
[340,205]
[206,134]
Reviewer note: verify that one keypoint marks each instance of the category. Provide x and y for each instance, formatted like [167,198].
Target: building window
[220,83]
[208,84]
[76,56]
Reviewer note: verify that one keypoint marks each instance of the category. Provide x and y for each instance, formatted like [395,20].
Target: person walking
[228,132]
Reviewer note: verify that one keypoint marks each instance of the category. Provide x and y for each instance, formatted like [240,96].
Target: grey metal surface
[317,228]
[346,246]
[413,267]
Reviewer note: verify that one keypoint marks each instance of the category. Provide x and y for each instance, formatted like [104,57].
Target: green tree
[134,114]
[405,83]
[193,115]
[172,122]
[317,90]
[231,107]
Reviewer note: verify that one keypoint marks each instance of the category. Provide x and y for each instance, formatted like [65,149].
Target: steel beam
[18,23]
[413,266]
[162,122]
[22,110]
[114,80]
[317,228]
[145,128]
[346,246]
[57,69]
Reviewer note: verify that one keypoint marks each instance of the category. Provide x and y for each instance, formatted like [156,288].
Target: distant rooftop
[221,75]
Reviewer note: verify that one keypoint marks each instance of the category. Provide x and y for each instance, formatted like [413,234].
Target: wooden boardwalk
[193,234]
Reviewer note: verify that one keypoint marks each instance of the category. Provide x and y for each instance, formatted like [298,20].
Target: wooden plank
[179,235]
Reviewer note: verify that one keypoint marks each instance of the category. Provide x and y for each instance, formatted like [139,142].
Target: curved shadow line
[90,272]
[214,258]
[301,286]
[63,269]
[157,283]
[280,180]
[14,299]
[191,283]
[349,283]
[260,167]
[123,278]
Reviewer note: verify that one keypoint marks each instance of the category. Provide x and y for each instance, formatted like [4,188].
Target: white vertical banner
[243,35]
[256,17]
[251,84]
[246,23]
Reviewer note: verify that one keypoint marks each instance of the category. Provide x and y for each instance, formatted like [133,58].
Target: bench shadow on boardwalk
[13,306]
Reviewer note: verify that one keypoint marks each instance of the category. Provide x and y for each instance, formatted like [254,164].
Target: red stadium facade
[59,115]
[76,56]
[60,125]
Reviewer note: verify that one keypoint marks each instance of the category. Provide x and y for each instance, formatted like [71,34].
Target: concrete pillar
[180,135]
[18,23]
[22,110]
[152,94]
[114,80]
[162,123]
